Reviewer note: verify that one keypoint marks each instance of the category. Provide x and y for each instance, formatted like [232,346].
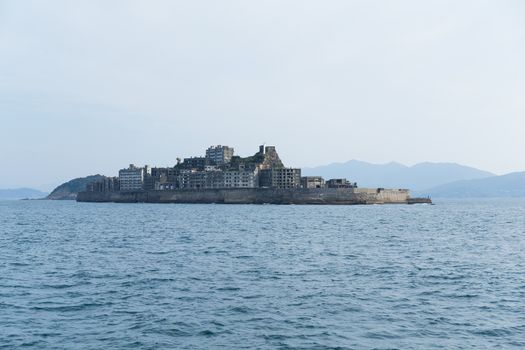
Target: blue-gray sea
[172,276]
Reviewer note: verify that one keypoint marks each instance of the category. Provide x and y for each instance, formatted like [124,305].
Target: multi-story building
[132,178]
[169,173]
[219,154]
[312,182]
[241,178]
[107,184]
[214,179]
[198,163]
[197,180]
[217,179]
[280,178]
[340,183]
[183,179]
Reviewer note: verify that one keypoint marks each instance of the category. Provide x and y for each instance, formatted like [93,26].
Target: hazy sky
[90,86]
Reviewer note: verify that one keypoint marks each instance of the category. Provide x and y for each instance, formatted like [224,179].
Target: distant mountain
[510,185]
[22,193]
[395,175]
[70,189]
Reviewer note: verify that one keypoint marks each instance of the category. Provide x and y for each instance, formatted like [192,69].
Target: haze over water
[87,276]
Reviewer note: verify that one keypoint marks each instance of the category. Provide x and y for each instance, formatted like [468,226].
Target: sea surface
[173,276]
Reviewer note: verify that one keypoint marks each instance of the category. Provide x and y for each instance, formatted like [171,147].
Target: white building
[132,178]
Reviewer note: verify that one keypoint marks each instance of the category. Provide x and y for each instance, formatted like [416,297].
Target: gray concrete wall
[254,196]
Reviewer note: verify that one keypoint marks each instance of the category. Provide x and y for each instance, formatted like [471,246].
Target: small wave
[228,289]
[60,286]
[497,332]
[207,333]
[240,309]
[69,308]
[172,332]
[381,335]
[275,336]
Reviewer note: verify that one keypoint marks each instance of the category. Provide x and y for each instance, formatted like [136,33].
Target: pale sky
[90,86]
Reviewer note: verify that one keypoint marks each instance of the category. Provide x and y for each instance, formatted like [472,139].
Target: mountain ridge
[508,185]
[21,193]
[419,176]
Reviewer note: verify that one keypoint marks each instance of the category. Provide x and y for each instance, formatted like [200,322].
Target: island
[224,178]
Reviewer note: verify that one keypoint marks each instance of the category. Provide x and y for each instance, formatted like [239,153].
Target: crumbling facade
[219,169]
[219,155]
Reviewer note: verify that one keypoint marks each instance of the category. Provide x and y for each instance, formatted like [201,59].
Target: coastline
[302,196]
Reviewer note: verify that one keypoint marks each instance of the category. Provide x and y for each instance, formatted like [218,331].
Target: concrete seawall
[257,196]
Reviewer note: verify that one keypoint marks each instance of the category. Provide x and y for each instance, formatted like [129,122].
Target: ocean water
[163,276]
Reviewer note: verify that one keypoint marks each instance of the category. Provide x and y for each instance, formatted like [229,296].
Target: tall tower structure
[219,154]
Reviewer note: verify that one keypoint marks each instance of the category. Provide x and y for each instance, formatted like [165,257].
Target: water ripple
[142,276]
